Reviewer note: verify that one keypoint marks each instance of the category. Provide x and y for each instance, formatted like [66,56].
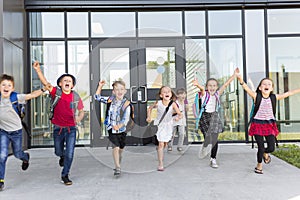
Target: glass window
[158,24]
[78,58]
[51,56]
[196,67]
[160,67]
[108,24]
[194,23]
[285,72]
[114,65]
[225,56]
[255,51]
[225,22]
[77,24]
[47,25]
[283,20]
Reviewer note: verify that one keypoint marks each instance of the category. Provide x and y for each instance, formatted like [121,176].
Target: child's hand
[148,119]
[115,127]
[36,65]
[101,83]
[237,72]
[195,82]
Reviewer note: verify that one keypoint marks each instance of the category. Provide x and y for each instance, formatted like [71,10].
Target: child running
[10,123]
[115,121]
[165,128]
[210,122]
[263,123]
[179,126]
[64,119]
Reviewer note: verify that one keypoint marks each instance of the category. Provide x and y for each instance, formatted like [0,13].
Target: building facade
[149,44]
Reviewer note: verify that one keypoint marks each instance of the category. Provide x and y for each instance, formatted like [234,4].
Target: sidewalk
[185,176]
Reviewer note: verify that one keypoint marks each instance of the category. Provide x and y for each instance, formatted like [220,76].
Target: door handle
[145,94]
[131,91]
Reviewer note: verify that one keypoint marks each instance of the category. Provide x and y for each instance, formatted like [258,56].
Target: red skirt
[263,128]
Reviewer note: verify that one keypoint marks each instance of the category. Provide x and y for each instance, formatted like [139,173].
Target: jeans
[15,137]
[65,137]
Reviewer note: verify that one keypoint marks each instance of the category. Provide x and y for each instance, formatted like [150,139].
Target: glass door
[145,66]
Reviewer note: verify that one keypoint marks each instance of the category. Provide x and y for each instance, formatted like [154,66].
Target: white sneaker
[204,151]
[213,163]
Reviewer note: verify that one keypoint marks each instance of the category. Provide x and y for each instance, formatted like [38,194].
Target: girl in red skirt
[263,123]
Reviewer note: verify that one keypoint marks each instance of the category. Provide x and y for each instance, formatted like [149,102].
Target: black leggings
[270,139]
[213,140]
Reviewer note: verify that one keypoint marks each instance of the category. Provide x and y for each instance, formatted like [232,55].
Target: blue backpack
[20,110]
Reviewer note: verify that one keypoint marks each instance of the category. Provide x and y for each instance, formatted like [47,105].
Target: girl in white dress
[165,128]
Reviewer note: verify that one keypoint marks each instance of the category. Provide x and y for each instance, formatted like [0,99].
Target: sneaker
[25,163]
[117,171]
[169,148]
[204,151]
[65,179]
[179,149]
[1,184]
[61,161]
[213,163]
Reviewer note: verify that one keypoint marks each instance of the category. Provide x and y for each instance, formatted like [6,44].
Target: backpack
[20,110]
[255,107]
[199,107]
[54,100]
[125,104]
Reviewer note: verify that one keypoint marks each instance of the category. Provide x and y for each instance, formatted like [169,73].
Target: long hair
[173,98]
[258,90]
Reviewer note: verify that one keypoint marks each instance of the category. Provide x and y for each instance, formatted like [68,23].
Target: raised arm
[100,85]
[223,87]
[37,68]
[287,94]
[244,85]
[35,94]
[201,87]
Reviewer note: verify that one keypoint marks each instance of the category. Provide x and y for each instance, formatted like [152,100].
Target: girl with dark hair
[263,122]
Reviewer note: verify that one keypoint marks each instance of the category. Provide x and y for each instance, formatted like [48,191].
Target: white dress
[165,128]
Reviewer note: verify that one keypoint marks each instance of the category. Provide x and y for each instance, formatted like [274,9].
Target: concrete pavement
[185,176]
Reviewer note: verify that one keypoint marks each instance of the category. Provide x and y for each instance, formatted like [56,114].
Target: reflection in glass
[108,24]
[158,24]
[194,23]
[114,65]
[77,24]
[47,25]
[195,68]
[52,59]
[78,65]
[164,73]
[285,72]
[283,21]
[225,56]
[225,22]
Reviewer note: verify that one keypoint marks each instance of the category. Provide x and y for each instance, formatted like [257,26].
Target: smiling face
[66,84]
[165,93]
[266,87]
[212,86]
[119,90]
[7,86]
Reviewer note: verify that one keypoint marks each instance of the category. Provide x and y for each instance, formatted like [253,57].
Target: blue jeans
[15,137]
[65,137]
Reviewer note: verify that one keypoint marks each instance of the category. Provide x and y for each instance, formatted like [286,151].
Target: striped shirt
[265,111]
